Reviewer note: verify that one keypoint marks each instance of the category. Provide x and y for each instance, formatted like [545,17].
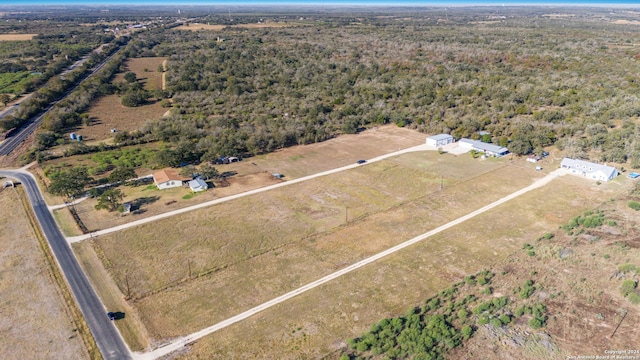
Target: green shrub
[505,319]
[462,314]
[483,319]
[536,323]
[466,332]
[496,322]
[628,287]
[519,311]
[634,297]
[634,205]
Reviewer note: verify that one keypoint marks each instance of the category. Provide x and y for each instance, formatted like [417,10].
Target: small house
[168,178]
[440,140]
[197,185]
[589,169]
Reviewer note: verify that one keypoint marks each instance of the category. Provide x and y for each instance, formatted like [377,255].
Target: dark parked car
[111,315]
[362,161]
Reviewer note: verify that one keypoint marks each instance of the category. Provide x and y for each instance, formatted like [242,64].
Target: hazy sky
[4,3]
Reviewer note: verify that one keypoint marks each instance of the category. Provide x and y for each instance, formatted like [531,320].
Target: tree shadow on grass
[138,203]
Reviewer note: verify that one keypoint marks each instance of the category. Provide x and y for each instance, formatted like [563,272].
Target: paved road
[181,342]
[14,141]
[104,331]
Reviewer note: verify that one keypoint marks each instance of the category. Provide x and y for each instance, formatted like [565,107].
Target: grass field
[34,321]
[108,113]
[317,323]
[16,37]
[301,234]
[252,173]
[197,26]
[146,69]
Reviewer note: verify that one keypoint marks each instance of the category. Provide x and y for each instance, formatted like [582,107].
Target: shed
[197,185]
[440,140]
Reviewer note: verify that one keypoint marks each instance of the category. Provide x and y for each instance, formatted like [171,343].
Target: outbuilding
[589,169]
[440,140]
[485,148]
[197,185]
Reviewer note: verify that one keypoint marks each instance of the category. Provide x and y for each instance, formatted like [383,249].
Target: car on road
[111,315]
[361,161]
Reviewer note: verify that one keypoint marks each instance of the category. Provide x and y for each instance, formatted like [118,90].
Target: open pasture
[16,37]
[246,260]
[252,173]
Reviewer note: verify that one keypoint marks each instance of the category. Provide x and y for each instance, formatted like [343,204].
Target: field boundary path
[181,342]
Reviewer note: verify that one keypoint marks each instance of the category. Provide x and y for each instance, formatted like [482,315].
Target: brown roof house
[168,178]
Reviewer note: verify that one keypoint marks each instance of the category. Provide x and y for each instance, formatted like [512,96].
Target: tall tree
[111,199]
[121,175]
[69,183]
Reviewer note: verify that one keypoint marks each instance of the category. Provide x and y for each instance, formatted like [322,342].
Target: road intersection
[109,340]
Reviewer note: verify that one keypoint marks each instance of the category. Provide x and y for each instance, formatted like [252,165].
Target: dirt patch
[16,37]
[146,70]
[35,319]
[197,26]
[108,113]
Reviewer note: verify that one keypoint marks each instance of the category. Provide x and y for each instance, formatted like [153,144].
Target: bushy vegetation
[590,219]
[263,89]
[634,205]
[441,324]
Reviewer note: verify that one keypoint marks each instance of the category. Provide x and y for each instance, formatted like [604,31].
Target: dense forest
[530,81]
[528,78]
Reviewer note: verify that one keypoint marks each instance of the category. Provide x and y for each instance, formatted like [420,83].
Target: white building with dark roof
[440,140]
[485,148]
[589,170]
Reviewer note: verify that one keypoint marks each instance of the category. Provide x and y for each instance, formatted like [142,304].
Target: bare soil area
[198,26]
[146,70]
[16,37]
[108,113]
[34,322]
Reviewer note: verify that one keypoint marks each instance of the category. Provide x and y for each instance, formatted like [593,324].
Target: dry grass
[130,327]
[253,173]
[317,323]
[285,239]
[16,37]
[197,26]
[35,322]
[66,223]
[146,69]
[107,113]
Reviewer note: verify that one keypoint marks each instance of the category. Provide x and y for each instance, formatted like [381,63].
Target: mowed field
[34,322]
[191,271]
[252,173]
[16,37]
